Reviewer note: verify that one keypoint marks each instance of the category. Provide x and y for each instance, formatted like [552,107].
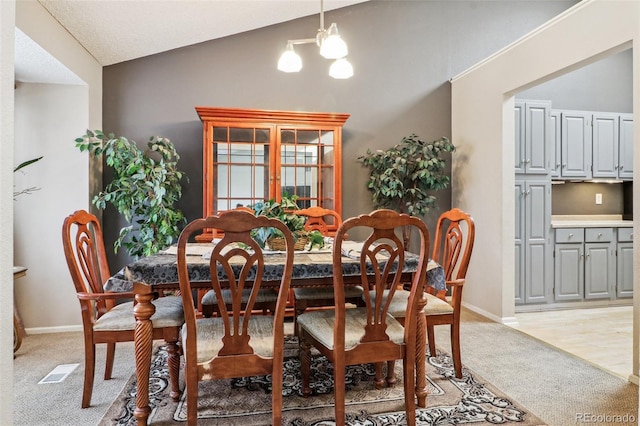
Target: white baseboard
[47,330]
[510,321]
[633,378]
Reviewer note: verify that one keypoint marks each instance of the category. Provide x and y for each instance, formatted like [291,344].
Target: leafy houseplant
[404,177]
[283,210]
[144,188]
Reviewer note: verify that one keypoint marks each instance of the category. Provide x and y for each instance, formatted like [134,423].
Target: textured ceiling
[114,31]
[33,64]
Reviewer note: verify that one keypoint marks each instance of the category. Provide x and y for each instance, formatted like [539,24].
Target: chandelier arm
[302,41]
[331,47]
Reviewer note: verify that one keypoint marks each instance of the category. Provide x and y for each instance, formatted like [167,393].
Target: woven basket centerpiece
[277,243]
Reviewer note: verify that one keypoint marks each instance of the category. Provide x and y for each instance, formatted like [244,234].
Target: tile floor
[602,336]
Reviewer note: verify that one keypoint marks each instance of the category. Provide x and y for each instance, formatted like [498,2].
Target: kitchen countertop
[590,221]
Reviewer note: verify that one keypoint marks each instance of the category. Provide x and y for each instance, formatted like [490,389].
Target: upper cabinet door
[625,152]
[576,144]
[238,166]
[307,165]
[537,137]
[519,137]
[605,145]
[532,137]
[556,147]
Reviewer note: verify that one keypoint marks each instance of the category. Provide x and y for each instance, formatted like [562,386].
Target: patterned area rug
[244,401]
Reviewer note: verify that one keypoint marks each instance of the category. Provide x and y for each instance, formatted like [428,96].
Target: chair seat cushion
[434,306]
[319,324]
[168,313]
[265,295]
[316,293]
[210,332]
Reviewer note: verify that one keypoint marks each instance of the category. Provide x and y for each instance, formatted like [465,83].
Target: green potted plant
[404,177]
[145,186]
[284,210]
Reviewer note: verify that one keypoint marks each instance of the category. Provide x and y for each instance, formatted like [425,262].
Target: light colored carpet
[553,385]
[58,404]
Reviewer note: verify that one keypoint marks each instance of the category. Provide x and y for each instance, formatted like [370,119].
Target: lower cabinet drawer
[598,235]
[569,235]
[625,234]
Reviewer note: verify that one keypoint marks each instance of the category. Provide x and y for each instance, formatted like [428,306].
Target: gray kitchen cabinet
[532,137]
[569,264]
[556,147]
[599,264]
[625,151]
[519,136]
[532,244]
[605,145]
[576,146]
[624,263]
[599,271]
[595,145]
[585,264]
[519,242]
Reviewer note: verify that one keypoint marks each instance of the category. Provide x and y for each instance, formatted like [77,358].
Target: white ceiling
[33,64]
[114,31]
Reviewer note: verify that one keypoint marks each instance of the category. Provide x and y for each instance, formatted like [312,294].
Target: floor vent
[58,374]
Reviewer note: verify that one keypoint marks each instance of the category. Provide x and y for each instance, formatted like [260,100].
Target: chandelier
[331,45]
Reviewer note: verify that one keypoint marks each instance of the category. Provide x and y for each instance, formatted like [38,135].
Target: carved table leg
[143,342]
[421,349]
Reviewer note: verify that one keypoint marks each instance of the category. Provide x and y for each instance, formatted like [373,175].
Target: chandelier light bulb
[290,61]
[333,46]
[341,69]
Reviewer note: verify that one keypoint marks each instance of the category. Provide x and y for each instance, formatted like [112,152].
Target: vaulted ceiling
[114,31]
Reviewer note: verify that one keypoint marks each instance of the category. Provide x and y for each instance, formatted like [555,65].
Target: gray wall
[403,53]
[605,85]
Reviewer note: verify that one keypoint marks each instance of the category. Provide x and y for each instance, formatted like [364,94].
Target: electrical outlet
[598,198]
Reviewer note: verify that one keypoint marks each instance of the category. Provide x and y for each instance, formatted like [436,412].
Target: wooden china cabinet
[252,155]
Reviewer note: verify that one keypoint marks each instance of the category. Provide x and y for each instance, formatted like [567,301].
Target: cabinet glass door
[240,166]
[307,166]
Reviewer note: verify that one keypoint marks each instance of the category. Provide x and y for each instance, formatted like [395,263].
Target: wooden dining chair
[237,343]
[326,222]
[452,248]
[103,320]
[369,334]
[266,301]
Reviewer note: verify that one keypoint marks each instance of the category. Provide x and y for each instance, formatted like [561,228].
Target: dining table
[156,274]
